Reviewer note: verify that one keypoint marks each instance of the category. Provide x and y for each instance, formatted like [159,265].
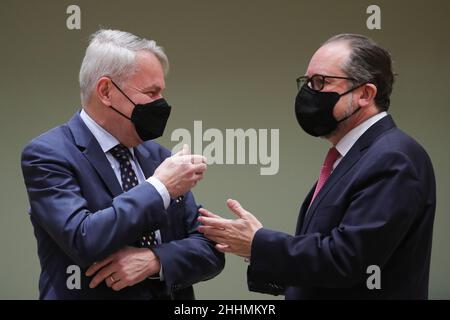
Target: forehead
[329,59]
[149,71]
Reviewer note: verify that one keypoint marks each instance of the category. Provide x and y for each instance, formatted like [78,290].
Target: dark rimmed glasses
[317,81]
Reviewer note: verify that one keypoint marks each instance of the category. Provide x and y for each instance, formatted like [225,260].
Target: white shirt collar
[106,140]
[346,143]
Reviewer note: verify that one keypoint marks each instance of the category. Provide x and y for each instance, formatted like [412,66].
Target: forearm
[188,261]
[88,236]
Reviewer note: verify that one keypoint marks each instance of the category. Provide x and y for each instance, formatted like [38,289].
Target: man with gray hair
[112,211]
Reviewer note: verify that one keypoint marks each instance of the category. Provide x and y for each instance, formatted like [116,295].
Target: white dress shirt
[346,143]
[107,142]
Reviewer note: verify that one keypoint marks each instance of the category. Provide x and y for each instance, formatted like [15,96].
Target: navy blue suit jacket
[377,208]
[81,215]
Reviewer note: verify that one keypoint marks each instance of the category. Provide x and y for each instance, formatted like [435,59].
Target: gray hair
[113,53]
[368,62]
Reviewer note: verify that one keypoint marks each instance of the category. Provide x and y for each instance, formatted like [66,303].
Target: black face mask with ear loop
[149,119]
[314,110]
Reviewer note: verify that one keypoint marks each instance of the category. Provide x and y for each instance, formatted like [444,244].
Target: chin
[329,136]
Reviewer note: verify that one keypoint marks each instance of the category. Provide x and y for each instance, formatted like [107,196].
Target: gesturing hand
[181,172]
[233,236]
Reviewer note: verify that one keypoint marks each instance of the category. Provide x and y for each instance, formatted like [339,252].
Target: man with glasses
[365,229]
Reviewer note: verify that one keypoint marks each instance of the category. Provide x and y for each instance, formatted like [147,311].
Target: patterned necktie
[129,180]
[326,170]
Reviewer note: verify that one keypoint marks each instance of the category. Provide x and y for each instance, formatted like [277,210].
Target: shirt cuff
[162,190]
[161,275]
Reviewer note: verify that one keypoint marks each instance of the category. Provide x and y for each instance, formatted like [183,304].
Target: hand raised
[181,172]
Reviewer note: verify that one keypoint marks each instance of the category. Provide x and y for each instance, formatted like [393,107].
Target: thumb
[236,208]
[185,150]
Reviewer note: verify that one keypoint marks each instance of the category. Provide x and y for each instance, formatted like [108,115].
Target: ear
[368,94]
[103,90]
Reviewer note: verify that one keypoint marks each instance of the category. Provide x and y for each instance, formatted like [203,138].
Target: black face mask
[314,110]
[149,119]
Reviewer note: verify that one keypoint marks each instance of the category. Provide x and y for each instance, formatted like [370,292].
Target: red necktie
[326,170]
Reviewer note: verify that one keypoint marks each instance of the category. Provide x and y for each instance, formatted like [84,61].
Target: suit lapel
[344,166]
[147,164]
[303,209]
[87,143]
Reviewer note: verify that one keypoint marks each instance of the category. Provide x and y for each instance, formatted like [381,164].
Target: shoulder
[53,141]
[396,152]
[399,144]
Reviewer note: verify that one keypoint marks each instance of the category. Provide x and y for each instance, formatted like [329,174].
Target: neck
[91,111]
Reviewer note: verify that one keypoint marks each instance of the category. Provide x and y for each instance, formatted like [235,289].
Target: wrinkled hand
[181,172]
[124,268]
[233,236]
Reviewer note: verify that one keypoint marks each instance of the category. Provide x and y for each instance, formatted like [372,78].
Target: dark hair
[368,62]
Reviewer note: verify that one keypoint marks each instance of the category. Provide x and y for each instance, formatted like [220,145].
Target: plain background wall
[233,65]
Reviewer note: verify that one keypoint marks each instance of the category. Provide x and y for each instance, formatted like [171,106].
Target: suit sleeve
[191,259]
[58,205]
[386,201]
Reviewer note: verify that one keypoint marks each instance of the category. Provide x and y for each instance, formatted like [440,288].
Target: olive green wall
[233,65]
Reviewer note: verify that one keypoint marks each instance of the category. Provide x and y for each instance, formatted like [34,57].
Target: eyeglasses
[317,81]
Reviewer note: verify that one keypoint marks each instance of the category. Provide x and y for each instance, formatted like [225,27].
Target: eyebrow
[150,88]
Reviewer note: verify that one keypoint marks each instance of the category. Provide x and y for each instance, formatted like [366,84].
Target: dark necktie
[129,180]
